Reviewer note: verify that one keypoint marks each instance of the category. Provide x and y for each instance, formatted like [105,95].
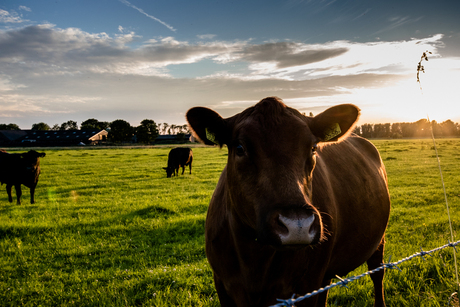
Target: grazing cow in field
[20,168]
[300,201]
[179,157]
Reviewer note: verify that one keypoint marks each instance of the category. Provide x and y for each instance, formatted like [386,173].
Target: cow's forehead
[292,138]
[259,124]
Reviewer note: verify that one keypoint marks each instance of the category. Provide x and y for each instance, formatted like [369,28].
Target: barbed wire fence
[344,282]
[394,265]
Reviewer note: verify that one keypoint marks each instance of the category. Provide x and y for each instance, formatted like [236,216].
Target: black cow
[179,157]
[20,168]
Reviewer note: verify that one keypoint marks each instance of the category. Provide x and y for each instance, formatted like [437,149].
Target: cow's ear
[42,154]
[335,123]
[207,126]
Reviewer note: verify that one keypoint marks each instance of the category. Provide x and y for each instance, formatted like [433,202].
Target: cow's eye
[239,150]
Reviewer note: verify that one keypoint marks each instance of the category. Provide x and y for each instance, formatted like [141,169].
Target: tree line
[420,128]
[120,131]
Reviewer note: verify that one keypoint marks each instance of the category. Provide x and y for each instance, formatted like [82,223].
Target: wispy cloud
[127,3]
[7,17]
[398,21]
[25,8]
[206,36]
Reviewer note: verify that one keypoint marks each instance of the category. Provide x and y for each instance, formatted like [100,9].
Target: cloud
[206,36]
[70,51]
[53,75]
[396,22]
[25,8]
[127,3]
[7,17]
[57,50]
[73,51]
[287,54]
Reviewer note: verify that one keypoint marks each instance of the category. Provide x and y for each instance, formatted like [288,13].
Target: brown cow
[290,213]
[20,168]
[179,157]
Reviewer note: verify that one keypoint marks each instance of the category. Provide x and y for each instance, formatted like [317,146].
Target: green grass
[109,229]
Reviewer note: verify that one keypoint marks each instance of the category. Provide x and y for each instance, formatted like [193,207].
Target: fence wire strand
[343,282]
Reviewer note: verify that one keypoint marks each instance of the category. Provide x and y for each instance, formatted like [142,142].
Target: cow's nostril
[282,228]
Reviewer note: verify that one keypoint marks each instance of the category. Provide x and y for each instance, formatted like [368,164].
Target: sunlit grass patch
[109,229]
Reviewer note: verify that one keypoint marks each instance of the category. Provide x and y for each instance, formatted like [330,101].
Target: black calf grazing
[179,157]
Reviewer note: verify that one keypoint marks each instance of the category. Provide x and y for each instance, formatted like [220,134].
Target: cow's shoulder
[366,149]
[351,148]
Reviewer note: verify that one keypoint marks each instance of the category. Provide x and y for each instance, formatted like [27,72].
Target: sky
[137,59]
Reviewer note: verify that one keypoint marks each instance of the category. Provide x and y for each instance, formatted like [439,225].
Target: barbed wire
[343,282]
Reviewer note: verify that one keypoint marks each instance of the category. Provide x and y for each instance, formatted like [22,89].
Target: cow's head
[271,158]
[32,156]
[31,161]
[169,171]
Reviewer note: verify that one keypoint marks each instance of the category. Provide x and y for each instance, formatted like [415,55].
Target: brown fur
[272,169]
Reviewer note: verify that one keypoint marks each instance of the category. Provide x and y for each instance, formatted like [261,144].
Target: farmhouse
[52,137]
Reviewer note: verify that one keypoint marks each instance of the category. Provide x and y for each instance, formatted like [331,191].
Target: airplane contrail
[125,2]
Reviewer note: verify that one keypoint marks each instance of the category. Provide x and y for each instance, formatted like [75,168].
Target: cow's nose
[297,230]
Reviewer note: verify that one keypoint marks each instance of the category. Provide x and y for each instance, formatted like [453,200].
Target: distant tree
[40,126]
[93,123]
[408,130]
[437,130]
[120,131]
[172,129]
[396,131]
[357,130]
[163,128]
[185,129]
[147,132]
[449,128]
[367,131]
[420,128]
[69,125]
[56,127]
[9,127]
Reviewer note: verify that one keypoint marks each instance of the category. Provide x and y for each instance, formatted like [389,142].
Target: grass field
[109,229]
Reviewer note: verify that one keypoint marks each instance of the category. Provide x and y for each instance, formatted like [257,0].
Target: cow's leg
[17,187]
[8,190]
[374,262]
[224,298]
[190,167]
[32,194]
[183,169]
[322,297]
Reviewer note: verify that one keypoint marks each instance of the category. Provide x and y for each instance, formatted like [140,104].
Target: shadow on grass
[152,212]
[159,238]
